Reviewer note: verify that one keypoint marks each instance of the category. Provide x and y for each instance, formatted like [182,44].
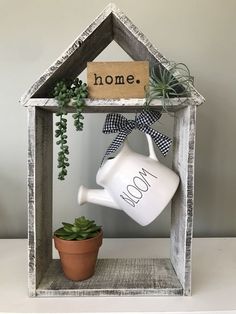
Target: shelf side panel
[40,148]
[183,201]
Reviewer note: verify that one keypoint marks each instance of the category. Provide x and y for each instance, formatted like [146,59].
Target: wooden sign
[117,79]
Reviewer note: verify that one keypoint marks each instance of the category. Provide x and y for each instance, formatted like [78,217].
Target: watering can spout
[96,196]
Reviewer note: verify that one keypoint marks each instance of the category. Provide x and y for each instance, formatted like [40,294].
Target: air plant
[166,84]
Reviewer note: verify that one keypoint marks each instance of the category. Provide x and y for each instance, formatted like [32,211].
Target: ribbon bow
[115,123]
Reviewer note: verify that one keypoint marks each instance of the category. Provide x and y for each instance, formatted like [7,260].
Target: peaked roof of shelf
[111,24]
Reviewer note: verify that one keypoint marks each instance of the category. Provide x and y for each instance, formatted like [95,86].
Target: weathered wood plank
[183,201]
[110,105]
[115,277]
[39,194]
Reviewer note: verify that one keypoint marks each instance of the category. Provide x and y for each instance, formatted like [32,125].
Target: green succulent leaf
[82,229]
[92,235]
[66,224]
[68,229]
[70,237]
[79,238]
[61,232]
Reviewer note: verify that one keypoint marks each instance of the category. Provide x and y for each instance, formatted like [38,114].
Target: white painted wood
[214,273]
[111,105]
[183,201]
[115,277]
[39,194]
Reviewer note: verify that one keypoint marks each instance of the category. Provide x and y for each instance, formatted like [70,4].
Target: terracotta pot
[78,258]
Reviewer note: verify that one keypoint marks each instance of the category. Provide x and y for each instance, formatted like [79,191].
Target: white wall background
[200,33]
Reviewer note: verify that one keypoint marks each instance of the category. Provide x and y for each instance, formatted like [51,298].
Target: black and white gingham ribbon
[115,123]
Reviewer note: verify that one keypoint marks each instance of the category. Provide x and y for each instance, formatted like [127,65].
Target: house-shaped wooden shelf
[162,276]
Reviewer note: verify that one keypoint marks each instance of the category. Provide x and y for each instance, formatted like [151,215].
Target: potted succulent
[78,246]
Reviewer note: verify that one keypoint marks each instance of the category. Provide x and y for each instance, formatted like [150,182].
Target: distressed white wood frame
[146,277]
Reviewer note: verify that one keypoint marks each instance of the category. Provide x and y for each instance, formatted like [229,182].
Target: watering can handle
[152,153]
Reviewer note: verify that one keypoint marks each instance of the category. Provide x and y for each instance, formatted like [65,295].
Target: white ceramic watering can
[139,185]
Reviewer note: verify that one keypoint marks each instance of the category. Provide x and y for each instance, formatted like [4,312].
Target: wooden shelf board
[115,277]
[114,105]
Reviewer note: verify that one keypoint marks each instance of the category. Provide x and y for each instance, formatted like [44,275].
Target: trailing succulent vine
[65,92]
[167,84]
[82,229]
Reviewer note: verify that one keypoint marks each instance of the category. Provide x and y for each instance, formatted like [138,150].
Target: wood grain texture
[115,277]
[39,194]
[183,201]
[110,105]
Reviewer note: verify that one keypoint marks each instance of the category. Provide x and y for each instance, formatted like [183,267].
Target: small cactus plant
[82,229]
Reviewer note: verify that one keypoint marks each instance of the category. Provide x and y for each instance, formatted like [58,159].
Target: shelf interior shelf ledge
[114,105]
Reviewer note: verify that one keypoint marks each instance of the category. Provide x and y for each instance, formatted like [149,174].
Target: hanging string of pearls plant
[68,93]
